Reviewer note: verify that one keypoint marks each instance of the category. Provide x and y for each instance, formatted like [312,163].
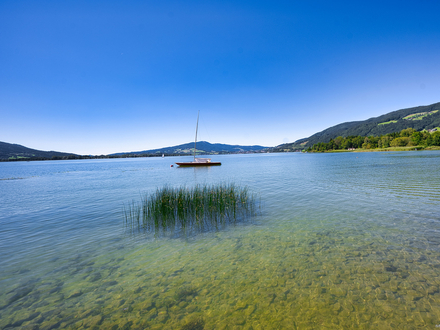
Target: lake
[349,240]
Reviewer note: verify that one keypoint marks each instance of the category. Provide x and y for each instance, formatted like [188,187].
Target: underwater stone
[29,318]
[183,304]
[30,327]
[338,292]
[195,323]
[95,277]
[94,321]
[394,285]
[50,326]
[127,325]
[387,308]
[152,313]
[20,293]
[162,316]
[432,290]
[345,313]
[49,314]
[250,310]
[240,305]
[75,294]
[85,314]
[238,320]
[191,308]
[391,268]
[110,283]
[381,296]
[337,307]
[204,292]
[321,290]
[56,289]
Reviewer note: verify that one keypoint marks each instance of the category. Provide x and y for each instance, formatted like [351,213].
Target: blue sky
[97,77]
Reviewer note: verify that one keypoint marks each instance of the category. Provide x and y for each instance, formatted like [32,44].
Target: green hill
[203,147]
[418,118]
[9,151]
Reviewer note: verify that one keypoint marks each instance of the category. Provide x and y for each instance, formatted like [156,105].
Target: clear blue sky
[97,77]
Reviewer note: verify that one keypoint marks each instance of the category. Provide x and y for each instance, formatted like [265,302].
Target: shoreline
[412,148]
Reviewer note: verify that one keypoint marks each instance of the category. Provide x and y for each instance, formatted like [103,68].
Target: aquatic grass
[197,209]
[132,213]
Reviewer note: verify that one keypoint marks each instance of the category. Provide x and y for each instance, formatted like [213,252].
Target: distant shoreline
[79,157]
[412,148]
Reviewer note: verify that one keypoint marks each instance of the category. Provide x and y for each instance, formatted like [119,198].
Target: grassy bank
[384,149]
[187,210]
[412,148]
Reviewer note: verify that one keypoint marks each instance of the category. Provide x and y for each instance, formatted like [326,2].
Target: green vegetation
[419,116]
[203,147]
[392,122]
[186,210]
[432,130]
[15,152]
[408,137]
[17,158]
[388,122]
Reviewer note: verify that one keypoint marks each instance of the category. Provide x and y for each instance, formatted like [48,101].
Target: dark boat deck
[190,164]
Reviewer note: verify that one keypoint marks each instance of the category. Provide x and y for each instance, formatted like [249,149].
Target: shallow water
[344,241]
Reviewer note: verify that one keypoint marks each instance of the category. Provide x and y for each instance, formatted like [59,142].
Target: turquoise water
[343,241]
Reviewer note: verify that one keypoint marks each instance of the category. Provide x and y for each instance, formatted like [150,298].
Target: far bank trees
[405,138]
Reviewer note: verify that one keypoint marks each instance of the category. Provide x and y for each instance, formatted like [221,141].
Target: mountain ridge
[202,147]
[13,152]
[418,118]
[390,122]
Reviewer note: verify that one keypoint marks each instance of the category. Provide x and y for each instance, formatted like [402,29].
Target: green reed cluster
[201,208]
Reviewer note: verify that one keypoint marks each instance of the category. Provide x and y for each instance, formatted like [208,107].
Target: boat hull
[192,164]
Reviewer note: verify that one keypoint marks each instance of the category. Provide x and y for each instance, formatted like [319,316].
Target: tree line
[405,138]
[69,157]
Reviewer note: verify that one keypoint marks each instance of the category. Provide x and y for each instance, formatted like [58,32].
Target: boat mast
[195,141]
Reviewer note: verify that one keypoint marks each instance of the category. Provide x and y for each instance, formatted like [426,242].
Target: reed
[197,209]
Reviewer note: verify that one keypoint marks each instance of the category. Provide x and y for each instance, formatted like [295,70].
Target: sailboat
[198,161]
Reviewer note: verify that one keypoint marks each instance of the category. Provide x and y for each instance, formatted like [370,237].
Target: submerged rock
[95,277]
[110,283]
[194,324]
[26,319]
[95,321]
[75,294]
[20,293]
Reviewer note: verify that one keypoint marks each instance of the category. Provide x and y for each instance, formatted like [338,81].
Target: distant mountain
[203,147]
[419,118]
[9,151]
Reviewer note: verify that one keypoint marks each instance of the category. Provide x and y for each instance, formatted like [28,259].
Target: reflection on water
[344,241]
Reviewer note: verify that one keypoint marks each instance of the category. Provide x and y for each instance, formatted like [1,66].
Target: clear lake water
[348,240]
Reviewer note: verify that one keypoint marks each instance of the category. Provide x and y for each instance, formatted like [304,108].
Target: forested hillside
[418,118]
[13,152]
[408,137]
[202,147]
[9,151]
